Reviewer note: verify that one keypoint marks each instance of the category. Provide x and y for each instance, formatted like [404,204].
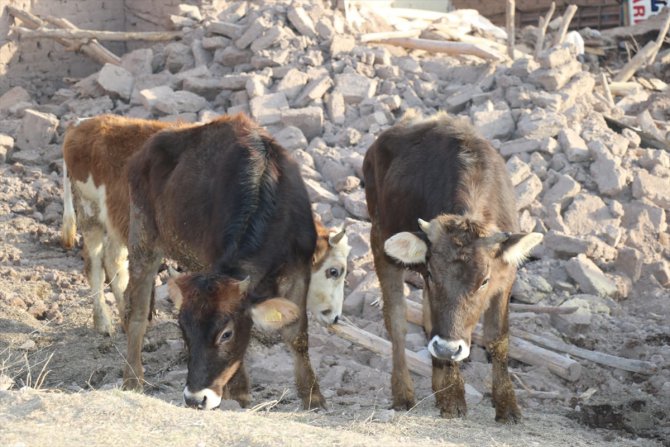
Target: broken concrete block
[313,91]
[252,33]
[573,145]
[37,130]
[530,288]
[307,119]
[654,188]
[609,176]
[555,78]
[629,261]
[341,44]
[231,56]
[180,101]
[562,192]
[178,57]
[150,96]
[540,123]
[354,87]
[291,138]
[269,38]
[555,56]
[138,62]
[208,88]
[589,277]
[520,146]
[116,80]
[301,21]
[334,171]
[230,30]
[564,246]
[355,204]
[12,96]
[336,108]
[234,81]
[661,271]
[268,109]
[527,191]
[588,214]
[318,193]
[493,121]
[518,170]
[574,323]
[257,85]
[292,83]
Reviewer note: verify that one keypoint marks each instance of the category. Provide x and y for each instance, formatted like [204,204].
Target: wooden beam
[519,349]
[438,46]
[85,34]
[542,29]
[565,23]
[92,49]
[372,37]
[511,8]
[638,366]
[638,61]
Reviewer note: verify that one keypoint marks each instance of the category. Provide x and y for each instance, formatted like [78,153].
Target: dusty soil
[62,379]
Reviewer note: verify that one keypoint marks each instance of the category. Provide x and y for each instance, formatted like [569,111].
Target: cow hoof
[243,400]
[314,402]
[510,415]
[103,325]
[406,403]
[454,409]
[133,384]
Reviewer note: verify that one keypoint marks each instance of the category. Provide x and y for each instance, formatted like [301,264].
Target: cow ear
[518,246]
[274,313]
[407,248]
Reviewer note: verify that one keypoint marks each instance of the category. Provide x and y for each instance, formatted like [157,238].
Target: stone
[333,171]
[577,323]
[215,42]
[37,130]
[269,38]
[308,119]
[609,176]
[268,109]
[654,188]
[150,96]
[347,184]
[661,271]
[555,56]
[354,87]
[563,245]
[530,288]
[629,262]
[341,44]
[540,124]
[234,81]
[527,191]
[301,21]
[589,277]
[90,106]
[291,138]
[318,193]
[178,57]
[231,56]
[116,80]
[520,146]
[494,121]
[190,11]
[208,88]
[256,85]
[554,79]
[12,96]
[252,33]
[314,91]
[292,83]
[588,214]
[181,101]
[355,204]
[336,108]
[573,145]
[457,102]
[138,62]
[562,192]
[230,30]
[518,170]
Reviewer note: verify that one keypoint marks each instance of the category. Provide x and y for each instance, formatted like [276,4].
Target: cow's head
[329,267]
[467,264]
[216,316]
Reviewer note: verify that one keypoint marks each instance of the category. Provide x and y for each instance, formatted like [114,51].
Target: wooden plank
[85,34]
[437,46]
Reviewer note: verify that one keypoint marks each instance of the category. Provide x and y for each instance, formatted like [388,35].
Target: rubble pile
[599,193]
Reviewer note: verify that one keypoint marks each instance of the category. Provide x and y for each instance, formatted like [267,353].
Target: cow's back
[97,149]
[435,166]
[224,195]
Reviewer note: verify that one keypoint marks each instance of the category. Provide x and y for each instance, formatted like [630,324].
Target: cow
[96,199]
[442,204]
[96,154]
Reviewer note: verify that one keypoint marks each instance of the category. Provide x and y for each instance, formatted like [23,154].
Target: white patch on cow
[69,227]
[93,199]
[455,350]
[517,253]
[406,248]
[326,293]
[206,399]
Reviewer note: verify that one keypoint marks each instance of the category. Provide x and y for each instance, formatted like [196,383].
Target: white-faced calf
[441,203]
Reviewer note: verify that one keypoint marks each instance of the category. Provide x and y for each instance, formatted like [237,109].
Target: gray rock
[355,204]
[230,30]
[138,62]
[308,119]
[292,83]
[629,262]
[354,87]
[573,145]
[609,176]
[562,192]
[556,56]
[336,107]
[589,277]
[518,170]
[555,78]
[588,214]
[181,101]
[527,191]
[301,21]
[37,130]
[12,96]
[493,121]
[252,33]
[116,80]
[269,38]
[178,57]
[654,188]
[318,193]
[291,138]
[540,123]
[520,146]
[268,109]
[341,44]
[313,91]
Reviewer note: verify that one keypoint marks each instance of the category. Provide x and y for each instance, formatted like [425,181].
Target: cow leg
[116,266]
[94,235]
[449,389]
[295,336]
[143,266]
[238,387]
[391,280]
[496,334]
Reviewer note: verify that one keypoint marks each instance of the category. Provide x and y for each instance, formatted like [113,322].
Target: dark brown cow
[221,197]
[441,203]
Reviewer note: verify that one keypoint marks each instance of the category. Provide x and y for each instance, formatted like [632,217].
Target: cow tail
[69,228]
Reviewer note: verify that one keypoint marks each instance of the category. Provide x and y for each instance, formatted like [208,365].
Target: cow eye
[484,284]
[332,273]
[224,336]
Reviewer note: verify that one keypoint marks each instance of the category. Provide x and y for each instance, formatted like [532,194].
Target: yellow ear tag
[275,316]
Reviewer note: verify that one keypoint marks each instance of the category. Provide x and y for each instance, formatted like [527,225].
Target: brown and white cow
[96,152]
[441,203]
[95,185]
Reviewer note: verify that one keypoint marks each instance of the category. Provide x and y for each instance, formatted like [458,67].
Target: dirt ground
[60,380]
